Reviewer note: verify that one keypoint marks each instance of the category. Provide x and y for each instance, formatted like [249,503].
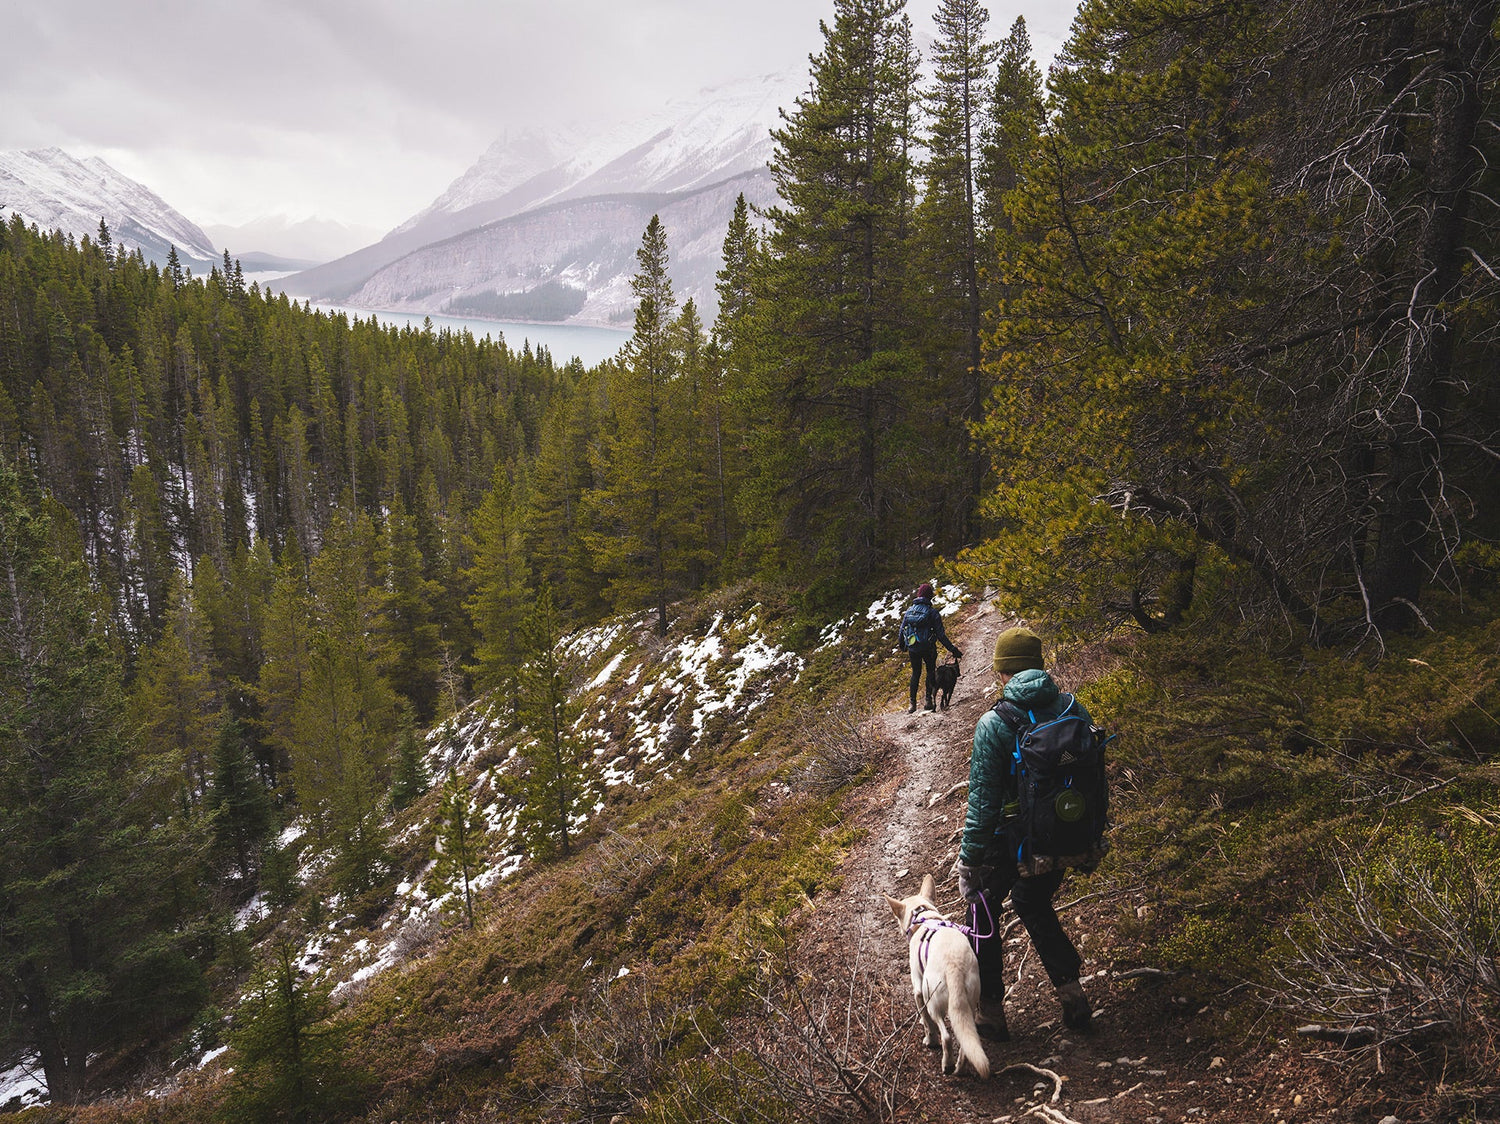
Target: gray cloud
[364,110]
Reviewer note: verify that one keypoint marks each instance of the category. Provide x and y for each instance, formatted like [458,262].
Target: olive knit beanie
[1018,649]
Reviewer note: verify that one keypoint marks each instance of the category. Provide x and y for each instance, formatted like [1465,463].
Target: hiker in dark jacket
[915,625]
[986,867]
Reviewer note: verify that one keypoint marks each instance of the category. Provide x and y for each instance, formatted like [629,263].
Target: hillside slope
[715,942]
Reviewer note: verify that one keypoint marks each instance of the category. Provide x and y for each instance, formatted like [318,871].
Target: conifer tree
[563,475]
[729,360]
[83,863]
[410,779]
[241,809]
[834,450]
[1131,235]
[175,704]
[554,779]
[950,244]
[646,533]
[1010,128]
[344,718]
[291,1058]
[456,846]
[406,613]
[501,582]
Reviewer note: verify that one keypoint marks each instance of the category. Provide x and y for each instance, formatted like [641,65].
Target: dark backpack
[1062,789]
[918,626]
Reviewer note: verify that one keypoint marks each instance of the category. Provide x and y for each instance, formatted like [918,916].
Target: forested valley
[1186,351]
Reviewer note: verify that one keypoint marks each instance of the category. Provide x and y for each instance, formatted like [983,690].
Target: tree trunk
[1404,540]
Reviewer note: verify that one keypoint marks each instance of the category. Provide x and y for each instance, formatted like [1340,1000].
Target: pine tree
[291,1057]
[241,809]
[456,846]
[834,373]
[729,360]
[949,249]
[83,863]
[1130,236]
[562,475]
[501,582]
[410,779]
[175,704]
[406,613]
[1011,126]
[646,534]
[344,718]
[285,668]
[554,780]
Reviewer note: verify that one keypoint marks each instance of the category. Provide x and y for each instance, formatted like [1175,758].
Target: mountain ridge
[693,146]
[53,190]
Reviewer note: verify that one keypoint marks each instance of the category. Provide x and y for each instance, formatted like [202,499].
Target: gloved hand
[971,880]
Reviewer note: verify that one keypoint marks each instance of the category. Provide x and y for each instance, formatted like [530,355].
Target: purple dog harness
[929,920]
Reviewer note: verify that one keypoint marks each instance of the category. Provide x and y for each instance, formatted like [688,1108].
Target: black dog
[947,679]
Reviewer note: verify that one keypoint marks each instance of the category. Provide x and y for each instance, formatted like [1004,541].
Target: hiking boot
[990,1022]
[1077,1014]
[913,708]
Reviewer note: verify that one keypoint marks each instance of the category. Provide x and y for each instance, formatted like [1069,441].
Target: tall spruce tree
[87,950]
[552,786]
[949,249]
[501,581]
[343,721]
[728,362]
[1176,265]
[458,834]
[407,620]
[647,534]
[241,809]
[292,1060]
[1013,116]
[835,450]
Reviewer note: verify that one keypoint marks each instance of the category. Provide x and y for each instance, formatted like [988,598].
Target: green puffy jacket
[991,784]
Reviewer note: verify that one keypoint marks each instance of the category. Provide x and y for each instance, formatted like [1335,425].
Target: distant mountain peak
[57,191]
[545,215]
[691,142]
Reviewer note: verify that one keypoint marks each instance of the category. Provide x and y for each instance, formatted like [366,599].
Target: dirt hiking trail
[1153,1054]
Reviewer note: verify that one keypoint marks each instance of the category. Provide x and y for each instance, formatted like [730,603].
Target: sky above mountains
[365,111]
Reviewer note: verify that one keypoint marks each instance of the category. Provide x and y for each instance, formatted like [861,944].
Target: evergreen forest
[1186,351]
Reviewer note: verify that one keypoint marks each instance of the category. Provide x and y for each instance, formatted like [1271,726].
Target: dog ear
[897,907]
[929,887]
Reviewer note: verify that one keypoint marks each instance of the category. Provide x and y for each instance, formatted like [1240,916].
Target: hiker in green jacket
[986,867]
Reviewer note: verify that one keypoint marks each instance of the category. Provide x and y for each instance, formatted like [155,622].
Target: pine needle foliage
[290,1057]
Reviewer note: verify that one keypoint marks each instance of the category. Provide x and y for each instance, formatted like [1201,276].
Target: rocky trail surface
[1159,1051]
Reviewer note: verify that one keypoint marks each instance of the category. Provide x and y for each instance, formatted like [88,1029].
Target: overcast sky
[365,110]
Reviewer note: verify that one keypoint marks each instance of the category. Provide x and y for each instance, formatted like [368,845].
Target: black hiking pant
[924,657]
[1032,900]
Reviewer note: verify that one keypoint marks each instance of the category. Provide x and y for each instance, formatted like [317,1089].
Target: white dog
[944,978]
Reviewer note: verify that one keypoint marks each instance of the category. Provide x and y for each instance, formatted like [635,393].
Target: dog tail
[961,1014]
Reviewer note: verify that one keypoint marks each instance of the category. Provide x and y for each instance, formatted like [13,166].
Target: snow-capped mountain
[571,260]
[691,143]
[56,191]
[566,208]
